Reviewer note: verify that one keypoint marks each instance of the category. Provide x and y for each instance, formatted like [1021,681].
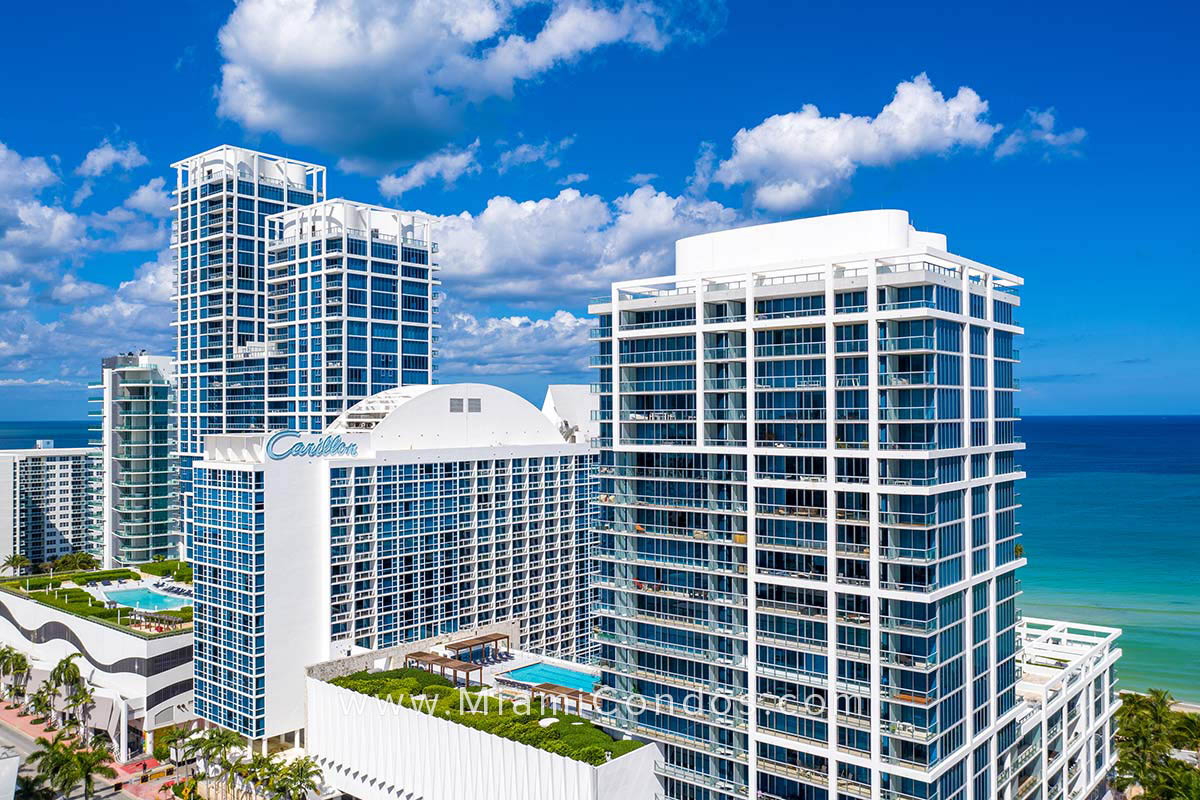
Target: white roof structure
[828,236]
[423,417]
[570,406]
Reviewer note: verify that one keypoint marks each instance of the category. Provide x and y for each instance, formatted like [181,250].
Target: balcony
[789,350]
[724,353]
[657,356]
[654,386]
[907,305]
[909,554]
[907,379]
[894,344]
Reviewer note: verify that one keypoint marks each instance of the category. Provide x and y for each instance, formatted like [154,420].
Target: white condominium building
[290,308]
[350,308]
[807,537]
[135,502]
[223,197]
[44,502]
[421,511]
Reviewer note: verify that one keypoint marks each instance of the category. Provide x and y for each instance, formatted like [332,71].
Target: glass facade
[135,502]
[229,617]
[420,550]
[806,526]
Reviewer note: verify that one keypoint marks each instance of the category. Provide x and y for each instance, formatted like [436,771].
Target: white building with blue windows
[349,311]
[807,535]
[135,493]
[290,308]
[420,511]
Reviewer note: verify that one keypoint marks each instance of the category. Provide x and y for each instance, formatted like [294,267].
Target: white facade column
[123,737]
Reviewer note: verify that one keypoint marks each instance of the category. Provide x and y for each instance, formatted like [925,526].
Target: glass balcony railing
[894,343]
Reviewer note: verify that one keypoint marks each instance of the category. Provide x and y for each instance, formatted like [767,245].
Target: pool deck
[155,585]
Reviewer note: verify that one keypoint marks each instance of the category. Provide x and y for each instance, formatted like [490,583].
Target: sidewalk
[126,773]
[24,724]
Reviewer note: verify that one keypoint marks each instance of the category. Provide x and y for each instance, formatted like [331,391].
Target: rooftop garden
[62,590]
[570,736]
[175,569]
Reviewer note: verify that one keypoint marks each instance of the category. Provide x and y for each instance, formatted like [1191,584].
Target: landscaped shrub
[173,568]
[570,736]
[38,582]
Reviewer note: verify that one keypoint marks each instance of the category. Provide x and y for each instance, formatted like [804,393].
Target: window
[456,405]
[474,405]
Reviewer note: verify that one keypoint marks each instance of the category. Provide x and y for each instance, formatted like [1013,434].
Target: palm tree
[16,563]
[80,700]
[32,787]
[260,772]
[66,673]
[89,764]
[297,779]
[19,667]
[56,764]
[7,654]
[1145,724]
[1187,733]
[40,703]
[86,561]
[214,747]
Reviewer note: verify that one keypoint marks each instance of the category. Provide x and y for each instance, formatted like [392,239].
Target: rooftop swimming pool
[549,673]
[146,599]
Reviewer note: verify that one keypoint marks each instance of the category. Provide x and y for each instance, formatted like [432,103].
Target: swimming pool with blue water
[560,676]
[146,600]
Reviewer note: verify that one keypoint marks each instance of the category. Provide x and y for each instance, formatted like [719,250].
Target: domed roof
[450,415]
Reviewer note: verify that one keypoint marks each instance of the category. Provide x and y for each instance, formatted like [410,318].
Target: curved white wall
[104,649]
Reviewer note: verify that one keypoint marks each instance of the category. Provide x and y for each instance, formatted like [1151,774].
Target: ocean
[1111,523]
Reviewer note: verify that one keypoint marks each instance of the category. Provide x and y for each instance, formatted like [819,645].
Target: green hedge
[54,581]
[175,569]
[572,736]
[77,601]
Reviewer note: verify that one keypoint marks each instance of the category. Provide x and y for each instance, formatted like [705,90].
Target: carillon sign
[281,446]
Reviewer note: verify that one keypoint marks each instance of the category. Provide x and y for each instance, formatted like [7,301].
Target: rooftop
[447,415]
[80,594]
[1055,655]
[553,731]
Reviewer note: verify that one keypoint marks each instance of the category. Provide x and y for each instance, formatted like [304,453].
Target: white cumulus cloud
[381,82]
[546,152]
[789,161]
[71,290]
[1038,131]
[151,198]
[561,249]
[514,345]
[449,165]
[106,155]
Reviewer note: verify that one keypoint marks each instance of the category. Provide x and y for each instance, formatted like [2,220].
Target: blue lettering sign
[325,447]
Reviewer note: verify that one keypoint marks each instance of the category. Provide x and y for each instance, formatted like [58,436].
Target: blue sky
[569,144]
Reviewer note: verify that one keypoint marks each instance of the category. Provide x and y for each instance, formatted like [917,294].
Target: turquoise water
[1111,524]
[549,673]
[146,600]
